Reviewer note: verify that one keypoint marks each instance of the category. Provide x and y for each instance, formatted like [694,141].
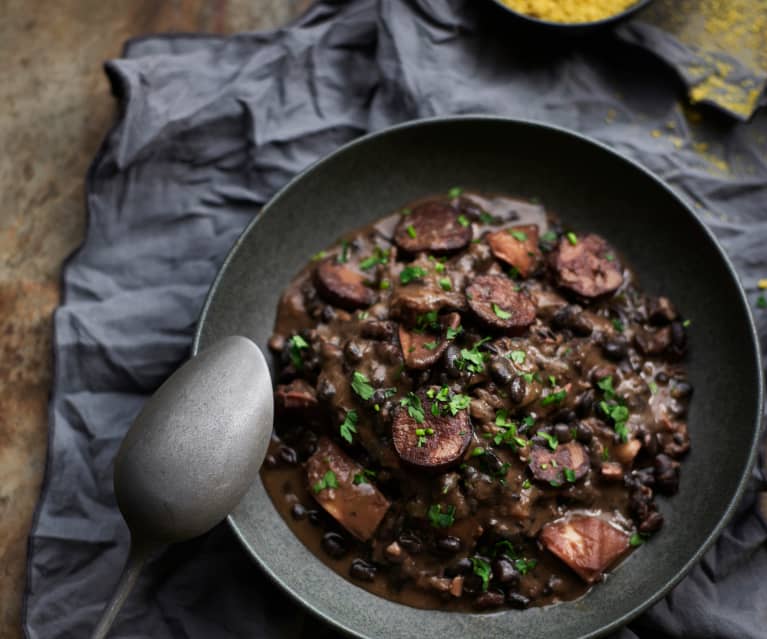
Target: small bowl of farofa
[572,16]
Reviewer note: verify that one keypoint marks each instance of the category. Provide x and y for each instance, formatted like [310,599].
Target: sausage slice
[342,286]
[297,398]
[422,350]
[587,267]
[434,444]
[497,304]
[432,226]
[549,465]
[589,545]
[517,246]
[357,507]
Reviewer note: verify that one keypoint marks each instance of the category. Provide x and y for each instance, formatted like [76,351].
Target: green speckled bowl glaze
[591,188]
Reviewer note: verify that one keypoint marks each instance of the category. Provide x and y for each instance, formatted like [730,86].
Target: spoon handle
[139,553]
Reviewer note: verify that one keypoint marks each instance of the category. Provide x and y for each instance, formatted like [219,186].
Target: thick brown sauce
[510,504]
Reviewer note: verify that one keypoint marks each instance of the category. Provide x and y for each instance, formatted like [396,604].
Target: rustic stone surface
[56,109]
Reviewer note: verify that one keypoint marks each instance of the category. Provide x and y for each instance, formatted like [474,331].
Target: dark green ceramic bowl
[572,28]
[591,188]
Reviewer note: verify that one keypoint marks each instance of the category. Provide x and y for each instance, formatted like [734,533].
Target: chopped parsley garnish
[506,549]
[319,255]
[439,519]
[552,380]
[619,414]
[509,433]
[609,257]
[550,439]
[361,386]
[455,192]
[405,212]
[653,388]
[518,357]
[458,402]
[514,273]
[452,333]
[463,220]
[343,256]
[362,315]
[439,264]
[606,385]
[422,434]
[605,454]
[500,312]
[761,302]
[328,480]
[569,474]
[486,218]
[520,236]
[297,344]
[427,321]
[349,427]
[411,231]
[430,346]
[554,398]
[410,273]
[445,284]
[482,569]
[471,359]
[549,236]
[477,451]
[379,256]
[527,422]
[686,323]
[526,484]
[385,284]
[572,238]
[528,377]
[414,407]
[362,478]
[525,565]
[618,325]
[636,540]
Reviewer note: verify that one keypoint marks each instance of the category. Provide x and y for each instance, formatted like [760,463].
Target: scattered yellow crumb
[569,11]
[677,142]
[656,133]
[762,284]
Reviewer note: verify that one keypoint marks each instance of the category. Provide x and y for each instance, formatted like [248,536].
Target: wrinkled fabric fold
[210,129]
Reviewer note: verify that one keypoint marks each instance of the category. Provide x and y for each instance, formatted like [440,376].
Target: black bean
[501,370]
[488,600]
[571,317]
[562,433]
[564,415]
[448,545]
[328,314]
[678,339]
[680,390]
[353,351]
[298,512]
[377,330]
[362,570]
[651,523]
[666,475]
[661,377]
[326,390]
[270,461]
[389,353]
[650,443]
[518,390]
[504,571]
[472,583]
[492,462]
[584,403]
[288,455]
[461,567]
[410,542]
[517,600]
[553,584]
[646,476]
[450,361]
[334,544]
[616,349]
[583,433]
[314,517]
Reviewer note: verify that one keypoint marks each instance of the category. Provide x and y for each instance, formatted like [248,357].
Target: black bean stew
[476,406]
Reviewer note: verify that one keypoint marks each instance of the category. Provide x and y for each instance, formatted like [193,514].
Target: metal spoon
[191,454]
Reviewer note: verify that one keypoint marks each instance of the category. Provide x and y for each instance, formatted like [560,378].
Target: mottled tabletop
[56,109]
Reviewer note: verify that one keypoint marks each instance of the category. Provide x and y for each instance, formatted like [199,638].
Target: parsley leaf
[482,569]
[761,302]
[319,255]
[445,284]
[525,565]
[439,519]
[618,325]
[296,345]
[328,480]
[471,359]
[606,385]
[411,231]
[349,427]
[476,452]
[379,256]
[569,474]
[410,273]
[455,192]
[549,236]
[486,218]
[572,238]
[458,402]
[550,439]
[452,333]
[518,357]
[500,312]
[422,434]
[554,398]
[526,484]
[427,321]
[343,256]
[636,540]
[520,236]
[361,386]
[414,407]
[431,345]
[463,220]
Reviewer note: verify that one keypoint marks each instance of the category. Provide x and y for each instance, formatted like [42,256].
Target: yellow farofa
[569,10]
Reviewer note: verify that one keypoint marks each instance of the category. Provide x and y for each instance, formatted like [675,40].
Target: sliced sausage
[653,342]
[297,398]
[357,507]
[517,246]
[497,304]
[421,349]
[588,267]
[589,545]
[342,286]
[443,443]
[432,226]
[549,465]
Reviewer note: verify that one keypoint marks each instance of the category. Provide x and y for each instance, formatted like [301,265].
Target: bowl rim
[565,26]
[482,118]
